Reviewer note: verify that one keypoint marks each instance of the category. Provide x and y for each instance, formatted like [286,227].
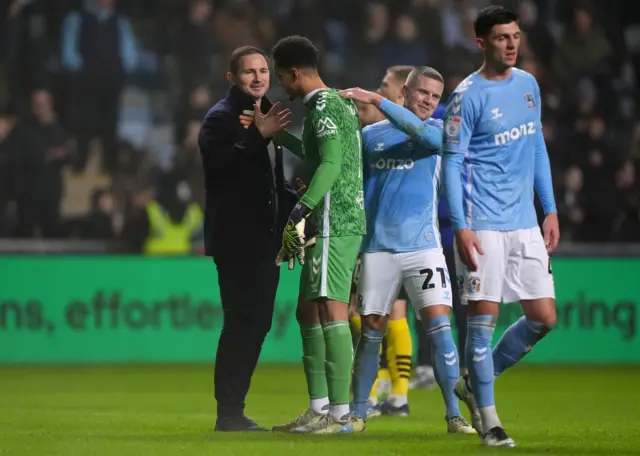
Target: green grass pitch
[168,410]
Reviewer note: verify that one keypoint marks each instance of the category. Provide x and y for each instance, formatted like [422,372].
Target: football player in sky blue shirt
[402,245]
[424,376]
[494,158]
[394,372]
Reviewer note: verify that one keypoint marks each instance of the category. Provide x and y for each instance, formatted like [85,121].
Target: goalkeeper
[331,147]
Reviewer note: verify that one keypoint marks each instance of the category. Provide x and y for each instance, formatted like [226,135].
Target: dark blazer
[241,220]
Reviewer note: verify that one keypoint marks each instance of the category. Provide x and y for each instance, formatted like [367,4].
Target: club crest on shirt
[452,129]
[530,100]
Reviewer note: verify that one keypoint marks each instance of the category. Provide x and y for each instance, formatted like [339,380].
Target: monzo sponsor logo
[515,133]
[394,163]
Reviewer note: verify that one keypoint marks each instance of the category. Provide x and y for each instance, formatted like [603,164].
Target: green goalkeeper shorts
[328,268]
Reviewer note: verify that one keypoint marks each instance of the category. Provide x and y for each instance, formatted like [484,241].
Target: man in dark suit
[247,205]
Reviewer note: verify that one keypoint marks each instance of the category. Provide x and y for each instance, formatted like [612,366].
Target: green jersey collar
[310,95]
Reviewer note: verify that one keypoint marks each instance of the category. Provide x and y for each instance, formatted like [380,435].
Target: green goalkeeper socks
[339,360]
[313,356]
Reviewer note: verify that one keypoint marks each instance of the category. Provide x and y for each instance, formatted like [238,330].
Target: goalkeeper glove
[284,256]
[296,237]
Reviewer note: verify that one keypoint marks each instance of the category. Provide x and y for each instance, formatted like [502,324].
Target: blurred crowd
[101,100]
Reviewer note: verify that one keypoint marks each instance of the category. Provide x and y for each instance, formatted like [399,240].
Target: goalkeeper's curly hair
[295,52]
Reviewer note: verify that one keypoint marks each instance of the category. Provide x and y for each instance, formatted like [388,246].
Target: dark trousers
[96,109]
[248,292]
[459,314]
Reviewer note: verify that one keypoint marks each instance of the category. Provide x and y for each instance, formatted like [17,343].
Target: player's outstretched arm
[403,119]
[291,142]
[428,135]
[272,125]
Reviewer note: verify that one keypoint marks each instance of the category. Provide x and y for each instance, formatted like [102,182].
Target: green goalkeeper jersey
[332,149]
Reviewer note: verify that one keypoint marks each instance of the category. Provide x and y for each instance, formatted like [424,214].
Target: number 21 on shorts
[429,282]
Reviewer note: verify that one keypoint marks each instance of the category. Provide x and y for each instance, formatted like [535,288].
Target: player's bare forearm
[291,142]
[406,121]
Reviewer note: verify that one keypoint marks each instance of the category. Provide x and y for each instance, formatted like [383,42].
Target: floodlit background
[63,177]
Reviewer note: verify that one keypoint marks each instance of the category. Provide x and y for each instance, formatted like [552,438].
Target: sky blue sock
[479,360]
[517,341]
[365,368]
[445,361]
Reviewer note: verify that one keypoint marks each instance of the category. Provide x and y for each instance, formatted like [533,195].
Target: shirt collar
[242,100]
[310,95]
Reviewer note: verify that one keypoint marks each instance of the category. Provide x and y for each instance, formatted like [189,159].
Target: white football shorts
[424,275]
[515,267]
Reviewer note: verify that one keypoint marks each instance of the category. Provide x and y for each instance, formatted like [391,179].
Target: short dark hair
[490,16]
[243,51]
[296,52]
[425,71]
[401,72]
